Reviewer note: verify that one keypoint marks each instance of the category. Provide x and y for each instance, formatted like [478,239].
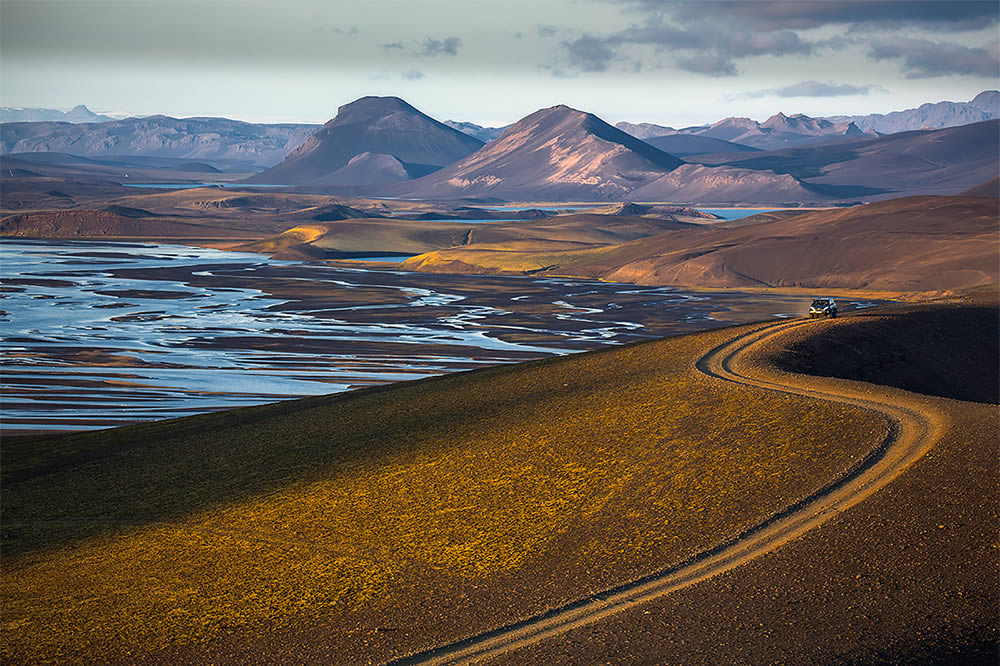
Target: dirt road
[915,425]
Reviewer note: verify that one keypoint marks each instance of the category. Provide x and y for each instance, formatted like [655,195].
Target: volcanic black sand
[908,576]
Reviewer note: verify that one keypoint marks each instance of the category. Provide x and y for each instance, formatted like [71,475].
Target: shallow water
[98,334]
[737,213]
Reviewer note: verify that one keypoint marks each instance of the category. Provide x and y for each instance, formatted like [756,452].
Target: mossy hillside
[565,475]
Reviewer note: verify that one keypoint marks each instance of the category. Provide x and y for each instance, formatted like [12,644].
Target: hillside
[354,237]
[371,140]
[685,144]
[896,245]
[464,503]
[945,161]
[554,154]
[694,183]
[114,222]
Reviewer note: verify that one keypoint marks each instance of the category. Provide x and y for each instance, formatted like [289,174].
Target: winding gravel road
[914,427]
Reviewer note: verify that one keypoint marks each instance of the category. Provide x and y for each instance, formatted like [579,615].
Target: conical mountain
[385,126]
[555,154]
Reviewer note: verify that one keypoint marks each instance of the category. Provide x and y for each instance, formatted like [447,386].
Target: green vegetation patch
[557,477]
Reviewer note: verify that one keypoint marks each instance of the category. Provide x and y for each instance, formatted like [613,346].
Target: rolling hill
[371,140]
[900,245]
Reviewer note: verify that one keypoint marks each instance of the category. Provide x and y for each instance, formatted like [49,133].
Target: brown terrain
[905,577]
[897,245]
[820,520]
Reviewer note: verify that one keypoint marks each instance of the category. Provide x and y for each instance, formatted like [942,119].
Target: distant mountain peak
[371,108]
[398,139]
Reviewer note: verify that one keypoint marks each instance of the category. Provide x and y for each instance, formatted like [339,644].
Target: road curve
[914,426]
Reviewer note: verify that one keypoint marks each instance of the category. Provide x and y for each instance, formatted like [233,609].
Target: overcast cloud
[665,61]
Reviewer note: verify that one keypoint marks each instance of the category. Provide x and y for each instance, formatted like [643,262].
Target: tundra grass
[539,482]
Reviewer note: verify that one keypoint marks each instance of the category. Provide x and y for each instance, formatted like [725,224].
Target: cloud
[436,47]
[923,58]
[589,53]
[546,30]
[413,75]
[714,50]
[392,45]
[812,89]
[949,15]
[711,64]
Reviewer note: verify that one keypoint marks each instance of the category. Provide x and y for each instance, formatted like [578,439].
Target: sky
[671,62]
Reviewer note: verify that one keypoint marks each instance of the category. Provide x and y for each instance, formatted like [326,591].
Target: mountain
[778,131]
[944,161]
[644,131]
[78,114]
[218,140]
[557,153]
[373,169]
[681,145]
[381,126]
[694,183]
[984,106]
[484,134]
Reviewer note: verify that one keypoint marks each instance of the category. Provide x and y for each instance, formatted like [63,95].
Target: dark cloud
[589,53]
[546,30]
[436,47]
[715,49]
[413,75]
[659,34]
[813,89]
[711,64]
[800,14]
[923,58]
[393,45]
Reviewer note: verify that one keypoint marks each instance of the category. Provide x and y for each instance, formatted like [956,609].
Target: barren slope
[910,244]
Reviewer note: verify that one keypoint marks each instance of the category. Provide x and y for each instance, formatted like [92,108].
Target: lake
[97,334]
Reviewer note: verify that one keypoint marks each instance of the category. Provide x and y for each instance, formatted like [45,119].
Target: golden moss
[325,509]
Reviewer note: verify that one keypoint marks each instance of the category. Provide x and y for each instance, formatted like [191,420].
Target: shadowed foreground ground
[370,525]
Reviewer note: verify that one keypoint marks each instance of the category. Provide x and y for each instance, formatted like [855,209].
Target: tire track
[913,428]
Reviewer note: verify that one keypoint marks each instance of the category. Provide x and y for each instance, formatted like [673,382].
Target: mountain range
[383,146]
[984,106]
[778,131]
[781,131]
[484,134]
[371,141]
[78,114]
[224,142]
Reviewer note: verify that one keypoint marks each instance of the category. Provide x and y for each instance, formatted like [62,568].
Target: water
[97,334]
[737,213]
[188,186]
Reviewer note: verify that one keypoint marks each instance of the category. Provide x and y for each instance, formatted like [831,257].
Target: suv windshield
[820,303]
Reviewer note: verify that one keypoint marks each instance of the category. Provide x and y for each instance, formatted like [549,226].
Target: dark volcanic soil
[950,350]
[906,577]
